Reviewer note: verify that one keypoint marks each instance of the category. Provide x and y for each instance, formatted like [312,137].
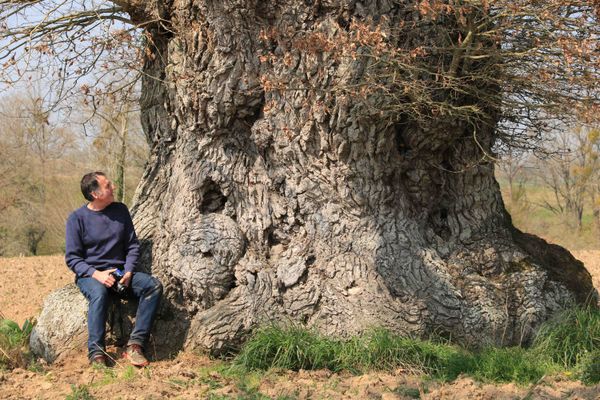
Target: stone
[62,324]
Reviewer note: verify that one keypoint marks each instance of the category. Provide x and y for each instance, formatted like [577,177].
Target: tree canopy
[524,66]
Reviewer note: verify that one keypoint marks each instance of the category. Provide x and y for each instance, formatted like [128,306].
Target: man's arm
[74,250]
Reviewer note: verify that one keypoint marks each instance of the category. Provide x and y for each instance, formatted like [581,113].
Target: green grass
[511,364]
[14,343]
[129,373]
[296,348]
[570,336]
[109,376]
[118,374]
[569,343]
[247,383]
[589,368]
[410,392]
[79,392]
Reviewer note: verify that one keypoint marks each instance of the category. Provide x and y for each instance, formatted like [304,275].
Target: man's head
[96,186]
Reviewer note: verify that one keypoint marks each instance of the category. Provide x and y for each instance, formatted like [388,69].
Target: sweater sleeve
[132,247]
[74,250]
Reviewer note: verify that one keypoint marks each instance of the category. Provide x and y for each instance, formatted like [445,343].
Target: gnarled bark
[300,204]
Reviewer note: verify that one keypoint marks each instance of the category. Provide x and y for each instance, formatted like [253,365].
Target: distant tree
[34,233]
[9,174]
[119,145]
[594,186]
[571,171]
[3,240]
[43,158]
[513,166]
[33,147]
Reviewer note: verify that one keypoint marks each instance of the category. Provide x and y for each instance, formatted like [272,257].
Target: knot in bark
[203,259]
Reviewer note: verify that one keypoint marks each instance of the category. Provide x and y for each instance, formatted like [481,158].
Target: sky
[77,57]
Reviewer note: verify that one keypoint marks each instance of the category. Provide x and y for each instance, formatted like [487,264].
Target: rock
[62,324]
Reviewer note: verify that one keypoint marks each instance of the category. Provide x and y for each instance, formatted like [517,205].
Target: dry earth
[24,282]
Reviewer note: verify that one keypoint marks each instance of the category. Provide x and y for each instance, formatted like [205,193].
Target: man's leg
[98,302]
[149,291]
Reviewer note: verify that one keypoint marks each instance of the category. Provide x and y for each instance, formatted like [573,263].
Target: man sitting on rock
[101,243]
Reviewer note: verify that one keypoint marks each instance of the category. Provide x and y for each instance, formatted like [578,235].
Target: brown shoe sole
[142,364]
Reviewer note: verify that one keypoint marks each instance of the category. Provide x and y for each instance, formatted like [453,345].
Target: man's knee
[95,291]
[155,288]
[102,298]
[149,284]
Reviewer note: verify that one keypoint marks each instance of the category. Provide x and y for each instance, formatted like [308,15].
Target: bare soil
[24,283]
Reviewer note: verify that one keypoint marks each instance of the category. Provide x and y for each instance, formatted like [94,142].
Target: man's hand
[126,278]
[105,277]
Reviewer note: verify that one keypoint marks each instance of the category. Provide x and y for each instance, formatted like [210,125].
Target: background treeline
[553,192]
[43,154]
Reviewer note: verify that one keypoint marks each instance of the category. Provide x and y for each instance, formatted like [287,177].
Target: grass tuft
[290,348]
[511,364]
[14,343]
[589,371]
[79,392]
[129,373]
[570,336]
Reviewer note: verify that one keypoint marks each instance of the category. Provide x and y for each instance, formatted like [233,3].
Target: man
[100,239]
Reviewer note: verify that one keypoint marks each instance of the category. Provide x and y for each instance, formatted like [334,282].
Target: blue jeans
[143,286]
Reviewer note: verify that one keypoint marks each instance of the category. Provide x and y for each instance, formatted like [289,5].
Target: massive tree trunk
[265,203]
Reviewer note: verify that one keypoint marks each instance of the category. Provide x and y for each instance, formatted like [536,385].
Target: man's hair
[89,184]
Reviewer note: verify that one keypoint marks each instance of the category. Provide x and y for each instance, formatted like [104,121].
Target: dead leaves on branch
[474,60]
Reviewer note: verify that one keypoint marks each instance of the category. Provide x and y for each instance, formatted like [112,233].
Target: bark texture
[305,205]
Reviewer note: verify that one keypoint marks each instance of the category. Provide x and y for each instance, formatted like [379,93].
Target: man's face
[104,193]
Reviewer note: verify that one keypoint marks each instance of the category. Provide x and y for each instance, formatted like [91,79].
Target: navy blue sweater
[98,240]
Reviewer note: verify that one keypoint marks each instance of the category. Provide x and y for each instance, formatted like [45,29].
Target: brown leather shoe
[99,360]
[135,355]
